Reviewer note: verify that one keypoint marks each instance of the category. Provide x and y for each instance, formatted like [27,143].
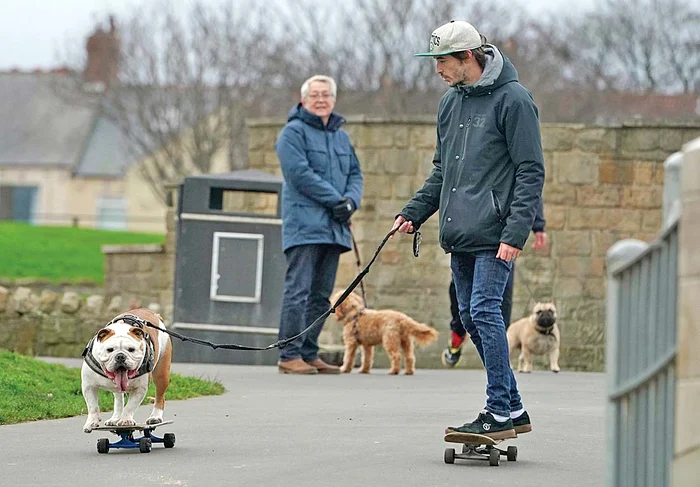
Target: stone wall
[143,273]
[602,184]
[687,431]
[58,324]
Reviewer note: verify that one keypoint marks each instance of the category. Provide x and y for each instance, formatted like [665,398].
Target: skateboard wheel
[494,457]
[449,455]
[169,440]
[145,445]
[512,453]
[103,445]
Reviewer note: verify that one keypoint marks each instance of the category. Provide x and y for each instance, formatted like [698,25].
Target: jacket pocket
[318,160]
[496,206]
[344,156]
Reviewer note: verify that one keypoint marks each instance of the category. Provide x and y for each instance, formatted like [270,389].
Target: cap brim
[439,54]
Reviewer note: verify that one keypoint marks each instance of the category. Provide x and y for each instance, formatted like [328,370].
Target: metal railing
[641,353]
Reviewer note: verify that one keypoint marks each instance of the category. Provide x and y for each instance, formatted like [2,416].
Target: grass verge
[32,390]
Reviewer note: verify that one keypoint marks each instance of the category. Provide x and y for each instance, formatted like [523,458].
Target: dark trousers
[308,285]
[506,306]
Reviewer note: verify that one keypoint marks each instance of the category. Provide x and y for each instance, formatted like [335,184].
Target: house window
[18,203]
[111,213]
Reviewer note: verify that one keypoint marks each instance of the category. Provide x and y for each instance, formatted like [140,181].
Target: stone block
[558,138]
[596,140]
[48,300]
[644,173]
[688,358]
[635,140]
[22,301]
[685,465]
[601,241]
[93,304]
[595,288]
[615,172]
[651,221]
[369,161]
[587,218]
[115,306]
[423,137]
[559,194]
[555,217]
[642,197]
[688,238]
[70,302]
[624,220]
[598,196]
[145,263]
[671,140]
[687,435]
[582,267]
[4,296]
[572,242]
[576,168]
[690,170]
[399,161]
[262,137]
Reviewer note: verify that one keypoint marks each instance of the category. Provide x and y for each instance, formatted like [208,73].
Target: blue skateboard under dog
[144,443]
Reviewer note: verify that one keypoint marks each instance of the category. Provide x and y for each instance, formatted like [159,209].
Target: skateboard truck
[478,447]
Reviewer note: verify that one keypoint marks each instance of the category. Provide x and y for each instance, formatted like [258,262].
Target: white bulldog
[121,358]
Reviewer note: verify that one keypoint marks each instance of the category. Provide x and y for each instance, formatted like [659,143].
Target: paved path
[351,430]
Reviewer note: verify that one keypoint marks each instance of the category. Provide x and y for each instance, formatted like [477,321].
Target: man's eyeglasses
[319,96]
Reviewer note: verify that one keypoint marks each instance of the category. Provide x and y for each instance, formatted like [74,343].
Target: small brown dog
[367,328]
[537,334]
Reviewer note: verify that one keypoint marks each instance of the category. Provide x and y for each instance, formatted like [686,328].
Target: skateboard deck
[478,447]
[135,427]
[471,439]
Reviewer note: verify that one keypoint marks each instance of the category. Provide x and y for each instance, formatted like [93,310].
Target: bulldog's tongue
[121,378]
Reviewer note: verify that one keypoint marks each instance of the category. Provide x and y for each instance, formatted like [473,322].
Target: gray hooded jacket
[488,169]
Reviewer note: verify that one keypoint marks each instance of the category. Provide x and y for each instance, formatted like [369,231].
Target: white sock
[516,414]
[500,419]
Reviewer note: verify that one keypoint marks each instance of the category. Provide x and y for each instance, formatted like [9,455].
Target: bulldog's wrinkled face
[545,314]
[120,349]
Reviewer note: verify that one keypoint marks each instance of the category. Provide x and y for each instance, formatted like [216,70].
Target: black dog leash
[359,266]
[283,343]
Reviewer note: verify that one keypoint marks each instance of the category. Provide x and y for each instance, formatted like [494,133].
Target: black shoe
[522,424]
[451,356]
[486,425]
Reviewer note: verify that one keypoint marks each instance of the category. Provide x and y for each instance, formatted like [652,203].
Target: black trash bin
[229,266]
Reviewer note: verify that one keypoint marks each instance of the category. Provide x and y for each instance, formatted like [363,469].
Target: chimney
[102,58]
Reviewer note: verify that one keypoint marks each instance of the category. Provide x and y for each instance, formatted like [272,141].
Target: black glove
[343,210]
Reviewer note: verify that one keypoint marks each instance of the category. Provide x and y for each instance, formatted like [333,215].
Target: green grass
[32,390]
[60,254]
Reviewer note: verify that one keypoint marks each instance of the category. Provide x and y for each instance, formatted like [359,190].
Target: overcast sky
[36,32]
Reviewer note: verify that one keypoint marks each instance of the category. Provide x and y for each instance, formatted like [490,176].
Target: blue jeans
[308,284]
[480,280]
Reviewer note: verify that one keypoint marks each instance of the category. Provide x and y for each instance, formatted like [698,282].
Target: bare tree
[638,45]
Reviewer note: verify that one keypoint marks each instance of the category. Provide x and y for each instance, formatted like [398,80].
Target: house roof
[47,122]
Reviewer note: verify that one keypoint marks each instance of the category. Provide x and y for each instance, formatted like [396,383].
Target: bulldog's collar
[148,359]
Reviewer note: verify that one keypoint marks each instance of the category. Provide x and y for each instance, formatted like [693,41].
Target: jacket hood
[497,72]
[300,113]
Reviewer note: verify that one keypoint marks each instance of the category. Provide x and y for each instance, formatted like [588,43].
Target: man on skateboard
[487,183]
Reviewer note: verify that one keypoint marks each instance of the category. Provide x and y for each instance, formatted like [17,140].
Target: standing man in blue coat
[322,188]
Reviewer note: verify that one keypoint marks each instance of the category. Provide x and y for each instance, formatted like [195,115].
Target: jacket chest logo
[479,120]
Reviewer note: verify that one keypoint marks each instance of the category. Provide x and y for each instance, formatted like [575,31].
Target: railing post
[672,189]
[619,254]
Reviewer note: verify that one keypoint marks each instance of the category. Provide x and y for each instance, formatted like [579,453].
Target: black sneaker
[451,357]
[486,425]
[522,424]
